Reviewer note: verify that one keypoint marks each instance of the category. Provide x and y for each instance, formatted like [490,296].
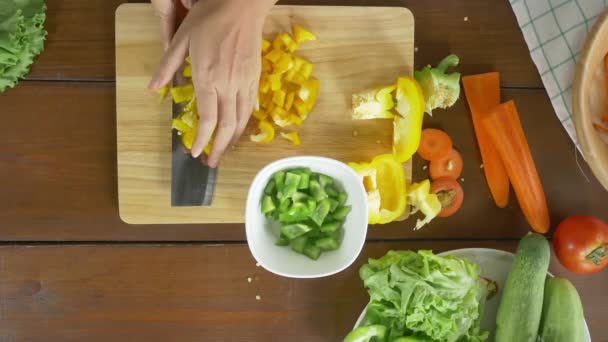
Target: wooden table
[70,269]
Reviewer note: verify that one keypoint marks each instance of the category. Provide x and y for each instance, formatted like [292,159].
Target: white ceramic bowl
[262,233]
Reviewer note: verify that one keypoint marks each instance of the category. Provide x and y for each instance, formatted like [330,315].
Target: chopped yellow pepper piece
[266,66]
[295,119]
[182,93]
[260,115]
[266,134]
[284,41]
[187,71]
[407,127]
[421,199]
[274,55]
[289,100]
[301,34]
[384,182]
[292,136]
[278,98]
[374,103]
[265,45]
[284,64]
[275,81]
[162,92]
[188,60]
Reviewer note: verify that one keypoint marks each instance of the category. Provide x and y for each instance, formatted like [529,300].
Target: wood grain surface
[356,48]
[60,183]
[199,293]
[80,45]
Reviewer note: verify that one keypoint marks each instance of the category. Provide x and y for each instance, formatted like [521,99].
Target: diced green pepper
[304,181]
[333,205]
[312,251]
[292,231]
[315,234]
[327,244]
[279,179]
[282,241]
[284,205]
[312,205]
[342,198]
[341,212]
[321,212]
[298,212]
[316,191]
[267,205]
[332,226]
[367,334]
[299,243]
[325,180]
[337,234]
[331,191]
[270,187]
[292,180]
[300,197]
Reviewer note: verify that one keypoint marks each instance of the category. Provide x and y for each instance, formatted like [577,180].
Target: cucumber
[562,319]
[521,304]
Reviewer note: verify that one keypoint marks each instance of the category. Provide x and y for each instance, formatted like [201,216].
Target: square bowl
[262,233]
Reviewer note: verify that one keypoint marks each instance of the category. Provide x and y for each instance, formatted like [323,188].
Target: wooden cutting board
[357,48]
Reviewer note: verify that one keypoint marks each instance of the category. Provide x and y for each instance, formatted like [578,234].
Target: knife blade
[192,182]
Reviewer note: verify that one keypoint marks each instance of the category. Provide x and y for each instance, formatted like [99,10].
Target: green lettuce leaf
[22,38]
[421,294]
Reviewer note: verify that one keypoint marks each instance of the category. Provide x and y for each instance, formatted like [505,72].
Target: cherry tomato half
[449,166]
[434,144]
[450,195]
[581,244]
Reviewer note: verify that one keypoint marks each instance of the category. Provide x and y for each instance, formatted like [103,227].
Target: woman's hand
[223,39]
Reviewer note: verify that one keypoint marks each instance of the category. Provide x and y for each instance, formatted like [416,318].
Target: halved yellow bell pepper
[292,136]
[266,134]
[301,34]
[384,181]
[374,103]
[407,126]
[420,198]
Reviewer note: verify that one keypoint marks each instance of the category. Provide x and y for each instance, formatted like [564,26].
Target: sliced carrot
[449,166]
[434,144]
[600,127]
[504,128]
[483,92]
[450,195]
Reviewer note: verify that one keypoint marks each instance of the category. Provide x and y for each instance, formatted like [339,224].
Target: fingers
[188,4]
[166,11]
[243,112]
[226,126]
[206,100]
[172,59]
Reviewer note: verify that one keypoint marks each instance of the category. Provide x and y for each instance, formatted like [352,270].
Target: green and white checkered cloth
[555,31]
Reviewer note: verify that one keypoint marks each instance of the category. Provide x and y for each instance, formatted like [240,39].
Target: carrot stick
[600,127]
[483,92]
[504,128]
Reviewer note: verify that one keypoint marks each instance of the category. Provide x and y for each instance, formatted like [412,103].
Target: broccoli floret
[440,90]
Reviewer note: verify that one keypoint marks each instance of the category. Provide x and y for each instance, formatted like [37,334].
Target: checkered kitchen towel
[555,31]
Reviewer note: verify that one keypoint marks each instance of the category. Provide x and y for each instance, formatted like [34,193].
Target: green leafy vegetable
[424,295]
[21,38]
[440,90]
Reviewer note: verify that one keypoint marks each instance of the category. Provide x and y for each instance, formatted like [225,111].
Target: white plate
[495,265]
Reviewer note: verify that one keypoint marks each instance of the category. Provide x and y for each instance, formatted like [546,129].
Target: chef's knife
[192,182]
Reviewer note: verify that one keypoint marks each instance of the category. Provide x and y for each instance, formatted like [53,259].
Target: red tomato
[450,166]
[434,144]
[450,195]
[581,244]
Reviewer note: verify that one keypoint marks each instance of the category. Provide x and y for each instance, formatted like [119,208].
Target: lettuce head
[22,37]
[421,294]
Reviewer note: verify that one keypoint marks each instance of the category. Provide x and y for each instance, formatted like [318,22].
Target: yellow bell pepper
[292,136]
[275,81]
[374,103]
[278,98]
[294,119]
[182,93]
[260,115]
[289,100]
[188,60]
[283,64]
[421,199]
[266,134]
[273,55]
[162,92]
[265,45]
[301,34]
[407,126]
[284,41]
[384,182]
[187,71]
